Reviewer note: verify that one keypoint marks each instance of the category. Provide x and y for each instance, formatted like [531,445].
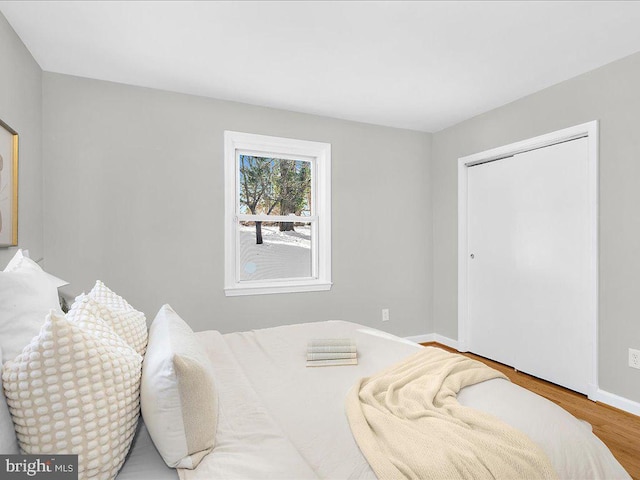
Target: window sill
[237,291]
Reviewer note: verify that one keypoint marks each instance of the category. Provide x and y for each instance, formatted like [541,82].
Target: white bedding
[279,419]
[144,461]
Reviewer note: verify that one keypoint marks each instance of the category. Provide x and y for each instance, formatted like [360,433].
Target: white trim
[286,287]
[275,153]
[319,154]
[424,338]
[559,136]
[616,401]
[589,130]
[244,217]
[434,337]
[449,342]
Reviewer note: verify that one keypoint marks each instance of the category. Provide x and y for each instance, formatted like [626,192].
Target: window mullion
[274,218]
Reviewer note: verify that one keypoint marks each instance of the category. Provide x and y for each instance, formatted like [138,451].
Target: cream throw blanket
[409,424]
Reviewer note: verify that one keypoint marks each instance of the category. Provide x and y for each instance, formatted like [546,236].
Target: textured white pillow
[8,440]
[131,324]
[26,297]
[76,390]
[178,398]
[102,294]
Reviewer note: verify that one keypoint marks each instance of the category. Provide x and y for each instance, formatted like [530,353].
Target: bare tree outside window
[274,186]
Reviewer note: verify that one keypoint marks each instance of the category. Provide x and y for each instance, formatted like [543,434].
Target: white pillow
[131,325]
[102,294]
[16,260]
[178,398]
[8,440]
[26,297]
[76,391]
[20,254]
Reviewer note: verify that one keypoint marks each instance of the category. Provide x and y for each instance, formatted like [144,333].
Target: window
[277,215]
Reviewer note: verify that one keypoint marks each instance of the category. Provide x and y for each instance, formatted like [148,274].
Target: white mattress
[279,419]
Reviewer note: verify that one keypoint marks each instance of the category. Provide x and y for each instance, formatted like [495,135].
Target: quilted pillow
[178,398]
[103,294]
[26,297]
[8,440]
[131,324]
[75,390]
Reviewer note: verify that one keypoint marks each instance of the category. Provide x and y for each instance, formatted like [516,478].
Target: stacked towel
[331,351]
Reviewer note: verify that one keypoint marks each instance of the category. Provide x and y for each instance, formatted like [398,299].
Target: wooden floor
[619,430]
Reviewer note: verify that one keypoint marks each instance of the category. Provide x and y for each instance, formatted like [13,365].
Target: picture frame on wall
[8,186]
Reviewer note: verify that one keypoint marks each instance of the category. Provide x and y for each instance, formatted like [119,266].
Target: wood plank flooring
[619,430]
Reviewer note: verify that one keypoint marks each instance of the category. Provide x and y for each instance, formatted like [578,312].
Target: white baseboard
[434,337]
[449,342]
[427,337]
[616,401]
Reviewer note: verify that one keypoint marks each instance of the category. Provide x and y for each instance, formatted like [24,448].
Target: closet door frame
[588,130]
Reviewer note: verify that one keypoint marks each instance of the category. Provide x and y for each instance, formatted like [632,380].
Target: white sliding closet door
[529,260]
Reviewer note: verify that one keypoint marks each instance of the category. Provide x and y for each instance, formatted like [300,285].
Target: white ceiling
[416,65]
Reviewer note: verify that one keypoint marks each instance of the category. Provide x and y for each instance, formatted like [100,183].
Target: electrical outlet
[385,314]
[634,358]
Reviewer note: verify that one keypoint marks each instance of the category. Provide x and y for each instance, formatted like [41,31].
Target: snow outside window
[277,214]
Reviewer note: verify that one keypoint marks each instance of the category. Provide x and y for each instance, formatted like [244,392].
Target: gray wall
[610,94]
[134,196]
[21,108]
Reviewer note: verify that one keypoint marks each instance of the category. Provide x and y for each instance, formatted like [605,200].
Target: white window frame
[236,143]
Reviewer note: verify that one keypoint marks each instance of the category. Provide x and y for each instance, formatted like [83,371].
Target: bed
[279,419]
[263,414]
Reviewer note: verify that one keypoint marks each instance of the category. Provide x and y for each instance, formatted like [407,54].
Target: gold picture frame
[8,186]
